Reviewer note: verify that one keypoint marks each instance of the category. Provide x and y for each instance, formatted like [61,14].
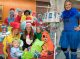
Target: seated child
[15,52]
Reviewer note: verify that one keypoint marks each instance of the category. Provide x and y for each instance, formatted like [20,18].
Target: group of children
[20,40]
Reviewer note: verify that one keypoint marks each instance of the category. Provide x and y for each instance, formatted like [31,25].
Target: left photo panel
[27,29]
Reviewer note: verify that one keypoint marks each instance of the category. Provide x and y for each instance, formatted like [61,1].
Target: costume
[25,45]
[48,44]
[24,18]
[28,40]
[9,19]
[69,36]
[8,39]
[18,19]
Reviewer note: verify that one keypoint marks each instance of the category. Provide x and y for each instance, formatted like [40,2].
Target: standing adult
[69,38]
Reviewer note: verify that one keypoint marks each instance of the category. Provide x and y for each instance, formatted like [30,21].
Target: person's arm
[78,18]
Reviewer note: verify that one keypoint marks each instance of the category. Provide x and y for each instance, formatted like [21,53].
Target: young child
[15,52]
[38,33]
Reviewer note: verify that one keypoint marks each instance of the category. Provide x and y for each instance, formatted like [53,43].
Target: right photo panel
[67,41]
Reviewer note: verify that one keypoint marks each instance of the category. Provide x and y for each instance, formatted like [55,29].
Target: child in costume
[10,18]
[15,51]
[48,47]
[69,37]
[38,33]
[7,42]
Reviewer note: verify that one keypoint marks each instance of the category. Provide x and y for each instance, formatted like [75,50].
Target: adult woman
[69,37]
[27,37]
[8,39]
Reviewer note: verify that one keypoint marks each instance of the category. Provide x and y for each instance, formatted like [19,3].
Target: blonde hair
[16,40]
[67,1]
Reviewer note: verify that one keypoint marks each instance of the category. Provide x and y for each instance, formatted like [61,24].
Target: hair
[18,34]
[67,1]
[31,34]
[27,12]
[15,40]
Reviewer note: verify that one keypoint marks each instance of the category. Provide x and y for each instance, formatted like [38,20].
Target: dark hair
[31,34]
[27,12]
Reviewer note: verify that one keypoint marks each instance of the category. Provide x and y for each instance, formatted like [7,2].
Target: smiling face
[15,43]
[68,5]
[15,31]
[28,29]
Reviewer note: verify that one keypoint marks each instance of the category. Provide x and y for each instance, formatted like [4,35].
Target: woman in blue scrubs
[69,38]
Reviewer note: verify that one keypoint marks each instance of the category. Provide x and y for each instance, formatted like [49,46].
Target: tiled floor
[62,56]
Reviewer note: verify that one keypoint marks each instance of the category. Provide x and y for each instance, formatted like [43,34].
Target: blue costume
[69,37]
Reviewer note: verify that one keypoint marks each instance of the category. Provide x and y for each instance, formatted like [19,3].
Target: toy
[27,55]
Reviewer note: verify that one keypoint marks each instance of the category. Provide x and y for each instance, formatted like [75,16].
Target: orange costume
[48,45]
